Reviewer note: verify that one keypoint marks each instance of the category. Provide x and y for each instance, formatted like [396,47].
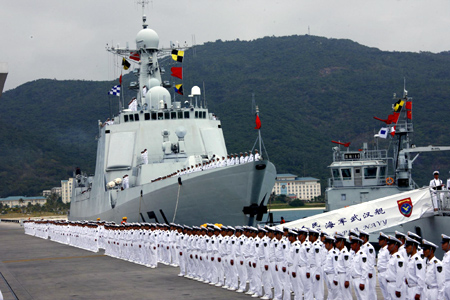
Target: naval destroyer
[366,175]
[178,138]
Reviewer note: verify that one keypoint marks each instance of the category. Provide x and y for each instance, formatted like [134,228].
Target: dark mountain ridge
[310,90]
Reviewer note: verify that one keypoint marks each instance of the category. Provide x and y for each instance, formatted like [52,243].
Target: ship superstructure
[164,160]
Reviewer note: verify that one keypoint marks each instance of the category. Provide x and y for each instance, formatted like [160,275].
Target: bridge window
[336,174]
[346,174]
[160,116]
[186,115]
[167,115]
[370,173]
[147,116]
[125,118]
[136,117]
[154,116]
[180,115]
[173,115]
[131,117]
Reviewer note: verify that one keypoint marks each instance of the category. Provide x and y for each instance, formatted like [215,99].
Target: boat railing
[441,202]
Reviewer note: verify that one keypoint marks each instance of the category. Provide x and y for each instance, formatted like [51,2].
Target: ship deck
[41,269]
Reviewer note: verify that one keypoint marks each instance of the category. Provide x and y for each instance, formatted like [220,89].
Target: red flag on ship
[120,79]
[135,56]
[343,144]
[177,72]
[258,122]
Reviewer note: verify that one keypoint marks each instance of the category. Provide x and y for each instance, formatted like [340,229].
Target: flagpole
[259,129]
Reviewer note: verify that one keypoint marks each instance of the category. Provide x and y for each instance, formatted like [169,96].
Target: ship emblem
[405,207]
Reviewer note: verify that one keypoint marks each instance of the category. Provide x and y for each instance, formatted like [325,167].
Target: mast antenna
[405,92]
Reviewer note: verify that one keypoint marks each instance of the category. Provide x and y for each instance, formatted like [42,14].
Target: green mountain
[310,90]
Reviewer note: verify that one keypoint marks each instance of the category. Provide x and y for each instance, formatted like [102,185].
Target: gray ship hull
[214,196]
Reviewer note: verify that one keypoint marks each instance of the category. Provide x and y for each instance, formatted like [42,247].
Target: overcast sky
[67,39]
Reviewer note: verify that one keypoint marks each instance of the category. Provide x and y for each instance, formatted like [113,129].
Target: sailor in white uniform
[125,182]
[433,276]
[437,185]
[395,273]
[382,263]
[330,268]
[415,271]
[252,158]
[257,156]
[144,157]
[360,269]
[445,290]
[370,252]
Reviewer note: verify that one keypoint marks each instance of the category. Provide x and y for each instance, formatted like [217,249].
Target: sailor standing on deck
[144,157]
[125,182]
[257,156]
[437,185]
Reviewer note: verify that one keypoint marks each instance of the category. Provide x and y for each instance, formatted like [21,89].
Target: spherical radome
[147,39]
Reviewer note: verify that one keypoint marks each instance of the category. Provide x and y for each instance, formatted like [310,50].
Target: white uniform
[372,278]
[331,272]
[144,157]
[360,271]
[382,263]
[436,183]
[415,276]
[395,276]
[343,268]
[433,279]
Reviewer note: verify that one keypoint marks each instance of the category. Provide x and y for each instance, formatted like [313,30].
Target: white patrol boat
[365,175]
[152,161]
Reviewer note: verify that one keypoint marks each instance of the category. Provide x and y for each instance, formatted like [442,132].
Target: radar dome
[153,82]
[147,39]
[180,132]
[156,94]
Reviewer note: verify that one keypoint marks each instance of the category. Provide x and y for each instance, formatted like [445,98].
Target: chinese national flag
[258,122]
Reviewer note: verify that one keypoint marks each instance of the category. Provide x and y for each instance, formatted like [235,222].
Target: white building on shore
[66,190]
[303,188]
[17,201]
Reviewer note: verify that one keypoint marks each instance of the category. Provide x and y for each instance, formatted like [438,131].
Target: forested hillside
[310,90]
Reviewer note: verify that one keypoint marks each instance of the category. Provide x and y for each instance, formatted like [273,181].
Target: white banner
[373,215]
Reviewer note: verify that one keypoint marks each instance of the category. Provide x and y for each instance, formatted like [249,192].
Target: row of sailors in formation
[214,163]
[274,262]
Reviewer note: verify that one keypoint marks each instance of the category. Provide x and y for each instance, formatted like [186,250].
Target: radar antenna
[144,17]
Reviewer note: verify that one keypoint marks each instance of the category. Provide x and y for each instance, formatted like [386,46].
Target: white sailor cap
[428,244]
[252,228]
[262,230]
[395,240]
[445,238]
[353,232]
[410,241]
[362,232]
[329,239]
[292,232]
[302,230]
[436,172]
[401,234]
[339,235]
[354,239]
[313,231]
[413,235]
[383,236]
[278,230]
[216,227]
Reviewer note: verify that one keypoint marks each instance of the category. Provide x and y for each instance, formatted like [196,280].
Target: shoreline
[300,208]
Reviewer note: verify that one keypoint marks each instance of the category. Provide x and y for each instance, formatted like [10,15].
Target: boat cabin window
[154,116]
[167,115]
[196,114]
[336,174]
[204,115]
[147,116]
[346,174]
[180,115]
[186,115]
[160,116]
[125,118]
[131,117]
[173,115]
[136,117]
[370,173]
[382,172]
